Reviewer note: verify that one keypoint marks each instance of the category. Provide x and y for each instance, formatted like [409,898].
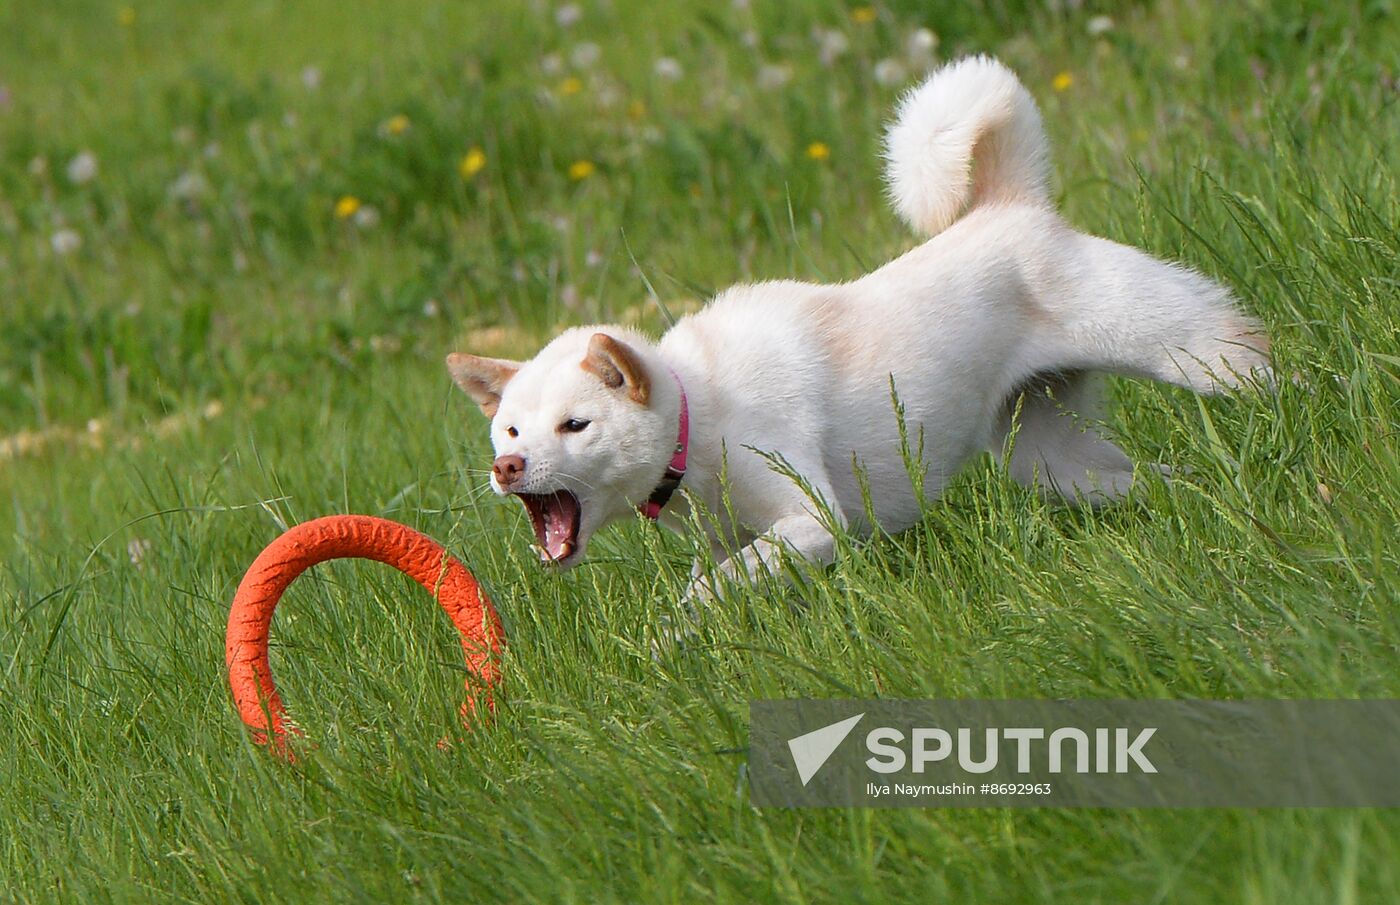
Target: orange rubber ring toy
[339,537]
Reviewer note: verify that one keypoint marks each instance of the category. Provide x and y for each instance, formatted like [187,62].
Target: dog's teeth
[566,551]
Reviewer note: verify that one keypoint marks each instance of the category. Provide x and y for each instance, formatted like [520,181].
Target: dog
[1004,320]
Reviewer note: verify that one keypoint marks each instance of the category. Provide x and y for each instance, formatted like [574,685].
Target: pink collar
[676,470]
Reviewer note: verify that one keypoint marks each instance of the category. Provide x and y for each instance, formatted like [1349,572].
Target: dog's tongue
[560,513]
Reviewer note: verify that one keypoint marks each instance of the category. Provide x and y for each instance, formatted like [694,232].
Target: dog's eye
[512,432]
[574,425]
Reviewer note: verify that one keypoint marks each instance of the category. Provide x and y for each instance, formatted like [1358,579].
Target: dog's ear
[483,379]
[619,366]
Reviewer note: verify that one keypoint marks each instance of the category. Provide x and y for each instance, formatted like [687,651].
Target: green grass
[215,363]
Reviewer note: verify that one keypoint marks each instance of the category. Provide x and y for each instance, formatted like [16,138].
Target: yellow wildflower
[571,86]
[636,110]
[818,150]
[581,169]
[126,16]
[1062,81]
[472,163]
[863,15]
[345,208]
[397,124]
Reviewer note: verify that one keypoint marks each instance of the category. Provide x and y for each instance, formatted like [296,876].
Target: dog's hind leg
[1121,310]
[1058,448]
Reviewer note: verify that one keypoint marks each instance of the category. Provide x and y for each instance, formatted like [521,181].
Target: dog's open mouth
[555,517]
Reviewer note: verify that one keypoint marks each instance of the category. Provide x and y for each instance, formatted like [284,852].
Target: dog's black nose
[507,470]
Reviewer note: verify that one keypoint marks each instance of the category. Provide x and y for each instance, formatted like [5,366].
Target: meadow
[236,240]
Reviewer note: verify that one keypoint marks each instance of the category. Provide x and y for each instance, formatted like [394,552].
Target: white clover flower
[366,216]
[311,77]
[668,68]
[585,55]
[551,64]
[772,76]
[65,242]
[890,71]
[38,166]
[568,14]
[594,258]
[431,308]
[831,44]
[82,168]
[1099,25]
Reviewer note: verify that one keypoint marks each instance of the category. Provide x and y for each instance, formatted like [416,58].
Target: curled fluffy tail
[969,135]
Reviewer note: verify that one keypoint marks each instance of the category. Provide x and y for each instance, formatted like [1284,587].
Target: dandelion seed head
[668,68]
[189,186]
[568,15]
[831,44]
[608,97]
[82,169]
[585,55]
[772,76]
[920,49]
[65,241]
[890,71]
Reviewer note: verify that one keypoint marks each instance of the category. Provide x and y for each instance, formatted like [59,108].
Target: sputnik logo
[812,750]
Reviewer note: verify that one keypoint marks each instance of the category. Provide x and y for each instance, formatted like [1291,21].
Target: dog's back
[1003,297]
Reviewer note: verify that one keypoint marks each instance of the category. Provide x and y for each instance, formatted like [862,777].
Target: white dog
[1004,308]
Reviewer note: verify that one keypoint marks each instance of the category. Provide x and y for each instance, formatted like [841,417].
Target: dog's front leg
[802,536]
